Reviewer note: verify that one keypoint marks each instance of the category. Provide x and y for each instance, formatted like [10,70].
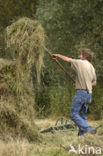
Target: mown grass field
[57,144]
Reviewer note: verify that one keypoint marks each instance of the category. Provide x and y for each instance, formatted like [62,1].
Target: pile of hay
[13,124]
[20,71]
[24,40]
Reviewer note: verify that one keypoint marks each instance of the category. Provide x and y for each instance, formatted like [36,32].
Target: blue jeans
[79,109]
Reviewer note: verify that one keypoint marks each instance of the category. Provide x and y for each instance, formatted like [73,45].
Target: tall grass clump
[55,101]
[20,72]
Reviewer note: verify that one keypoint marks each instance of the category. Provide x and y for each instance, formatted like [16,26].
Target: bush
[96,107]
[55,101]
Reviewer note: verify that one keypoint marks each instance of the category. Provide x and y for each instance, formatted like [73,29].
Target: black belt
[82,89]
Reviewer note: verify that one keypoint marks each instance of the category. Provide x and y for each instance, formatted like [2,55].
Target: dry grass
[52,144]
[15,148]
[63,140]
[14,124]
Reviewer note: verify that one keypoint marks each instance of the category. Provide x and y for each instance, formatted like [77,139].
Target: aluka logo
[85,149]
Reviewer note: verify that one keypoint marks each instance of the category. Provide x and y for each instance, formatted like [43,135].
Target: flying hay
[24,43]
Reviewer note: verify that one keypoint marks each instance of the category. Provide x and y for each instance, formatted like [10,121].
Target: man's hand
[54,56]
[94,83]
[64,58]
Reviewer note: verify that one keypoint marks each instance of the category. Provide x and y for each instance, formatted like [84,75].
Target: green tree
[10,9]
[70,26]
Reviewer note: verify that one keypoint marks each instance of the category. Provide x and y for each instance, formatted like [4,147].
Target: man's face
[82,57]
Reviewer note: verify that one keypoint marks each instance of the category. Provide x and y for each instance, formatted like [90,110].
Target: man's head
[86,54]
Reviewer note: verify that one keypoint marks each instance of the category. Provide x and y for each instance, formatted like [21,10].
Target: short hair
[88,54]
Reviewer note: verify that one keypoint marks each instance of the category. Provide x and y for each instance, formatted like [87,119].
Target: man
[85,79]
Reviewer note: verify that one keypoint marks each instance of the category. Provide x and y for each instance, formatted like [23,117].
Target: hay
[22,62]
[5,62]
[15,125]
[24,43]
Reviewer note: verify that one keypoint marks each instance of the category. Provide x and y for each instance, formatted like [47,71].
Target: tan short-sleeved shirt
[85,74]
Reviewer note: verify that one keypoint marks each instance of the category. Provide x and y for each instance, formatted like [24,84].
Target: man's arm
[64,58]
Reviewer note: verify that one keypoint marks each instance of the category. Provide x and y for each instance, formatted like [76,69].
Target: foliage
[96,107]
[55,101]
[12,9]
[71,26]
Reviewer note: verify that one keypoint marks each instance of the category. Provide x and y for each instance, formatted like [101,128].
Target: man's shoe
[94,131]
[82,133]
